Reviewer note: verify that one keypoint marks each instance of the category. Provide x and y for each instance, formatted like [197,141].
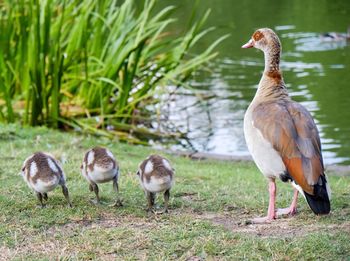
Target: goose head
[264,39]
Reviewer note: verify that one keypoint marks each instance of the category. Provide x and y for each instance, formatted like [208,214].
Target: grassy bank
[209,206]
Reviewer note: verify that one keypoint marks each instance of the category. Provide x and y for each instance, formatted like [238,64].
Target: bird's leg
[271,215]
[292,210]
[271,210]
[40,198]
[66,194]
[95,189]
[45,196]
[153,198]
[150,200]
[118,202]
[166,200]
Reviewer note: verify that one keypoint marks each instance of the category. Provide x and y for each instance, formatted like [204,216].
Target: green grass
[209,205]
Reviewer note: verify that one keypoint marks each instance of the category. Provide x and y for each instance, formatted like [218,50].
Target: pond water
[316,72]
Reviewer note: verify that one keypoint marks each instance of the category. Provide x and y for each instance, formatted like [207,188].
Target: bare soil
[283,227]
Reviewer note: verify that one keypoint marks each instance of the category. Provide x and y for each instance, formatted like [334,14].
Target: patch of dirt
[107,221]
[194,258]
[5,253]
[189,196]
[279,228]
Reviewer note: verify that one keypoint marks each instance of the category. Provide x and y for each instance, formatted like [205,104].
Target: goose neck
[272,60]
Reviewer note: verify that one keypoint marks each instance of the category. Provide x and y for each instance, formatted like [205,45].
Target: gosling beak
[250,44]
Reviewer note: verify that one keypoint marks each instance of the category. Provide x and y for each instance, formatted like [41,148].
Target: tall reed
[63,61]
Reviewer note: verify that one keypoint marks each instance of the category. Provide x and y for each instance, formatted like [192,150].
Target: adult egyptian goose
[282,136]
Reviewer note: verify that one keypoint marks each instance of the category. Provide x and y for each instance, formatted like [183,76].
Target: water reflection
[315,42]
[212,116]
[315,70]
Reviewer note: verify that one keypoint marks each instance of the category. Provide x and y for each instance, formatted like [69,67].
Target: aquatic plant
[91,64]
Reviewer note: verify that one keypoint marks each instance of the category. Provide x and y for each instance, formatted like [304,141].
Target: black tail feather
[319,202]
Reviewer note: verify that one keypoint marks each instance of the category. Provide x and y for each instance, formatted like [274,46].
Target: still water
[317,73]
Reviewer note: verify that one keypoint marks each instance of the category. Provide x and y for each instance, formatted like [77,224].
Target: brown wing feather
[293,133]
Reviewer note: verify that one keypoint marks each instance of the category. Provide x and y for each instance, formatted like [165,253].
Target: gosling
[156,175]
[42,172]
[100,166]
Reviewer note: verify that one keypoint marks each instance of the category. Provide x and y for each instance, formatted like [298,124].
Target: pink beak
[250,44]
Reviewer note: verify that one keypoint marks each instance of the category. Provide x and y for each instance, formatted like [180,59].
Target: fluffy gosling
[100,166]
[42,172]
[156,175]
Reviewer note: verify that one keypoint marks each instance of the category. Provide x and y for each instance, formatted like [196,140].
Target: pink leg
[292,210]
[271,210]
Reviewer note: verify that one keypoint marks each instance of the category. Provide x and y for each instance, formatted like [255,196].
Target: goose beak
[250,44]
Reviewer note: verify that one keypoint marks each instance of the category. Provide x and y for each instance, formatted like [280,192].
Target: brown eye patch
[257,35]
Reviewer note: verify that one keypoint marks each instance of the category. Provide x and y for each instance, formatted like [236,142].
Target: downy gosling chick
[100,166]
[43,173]
[156,175]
